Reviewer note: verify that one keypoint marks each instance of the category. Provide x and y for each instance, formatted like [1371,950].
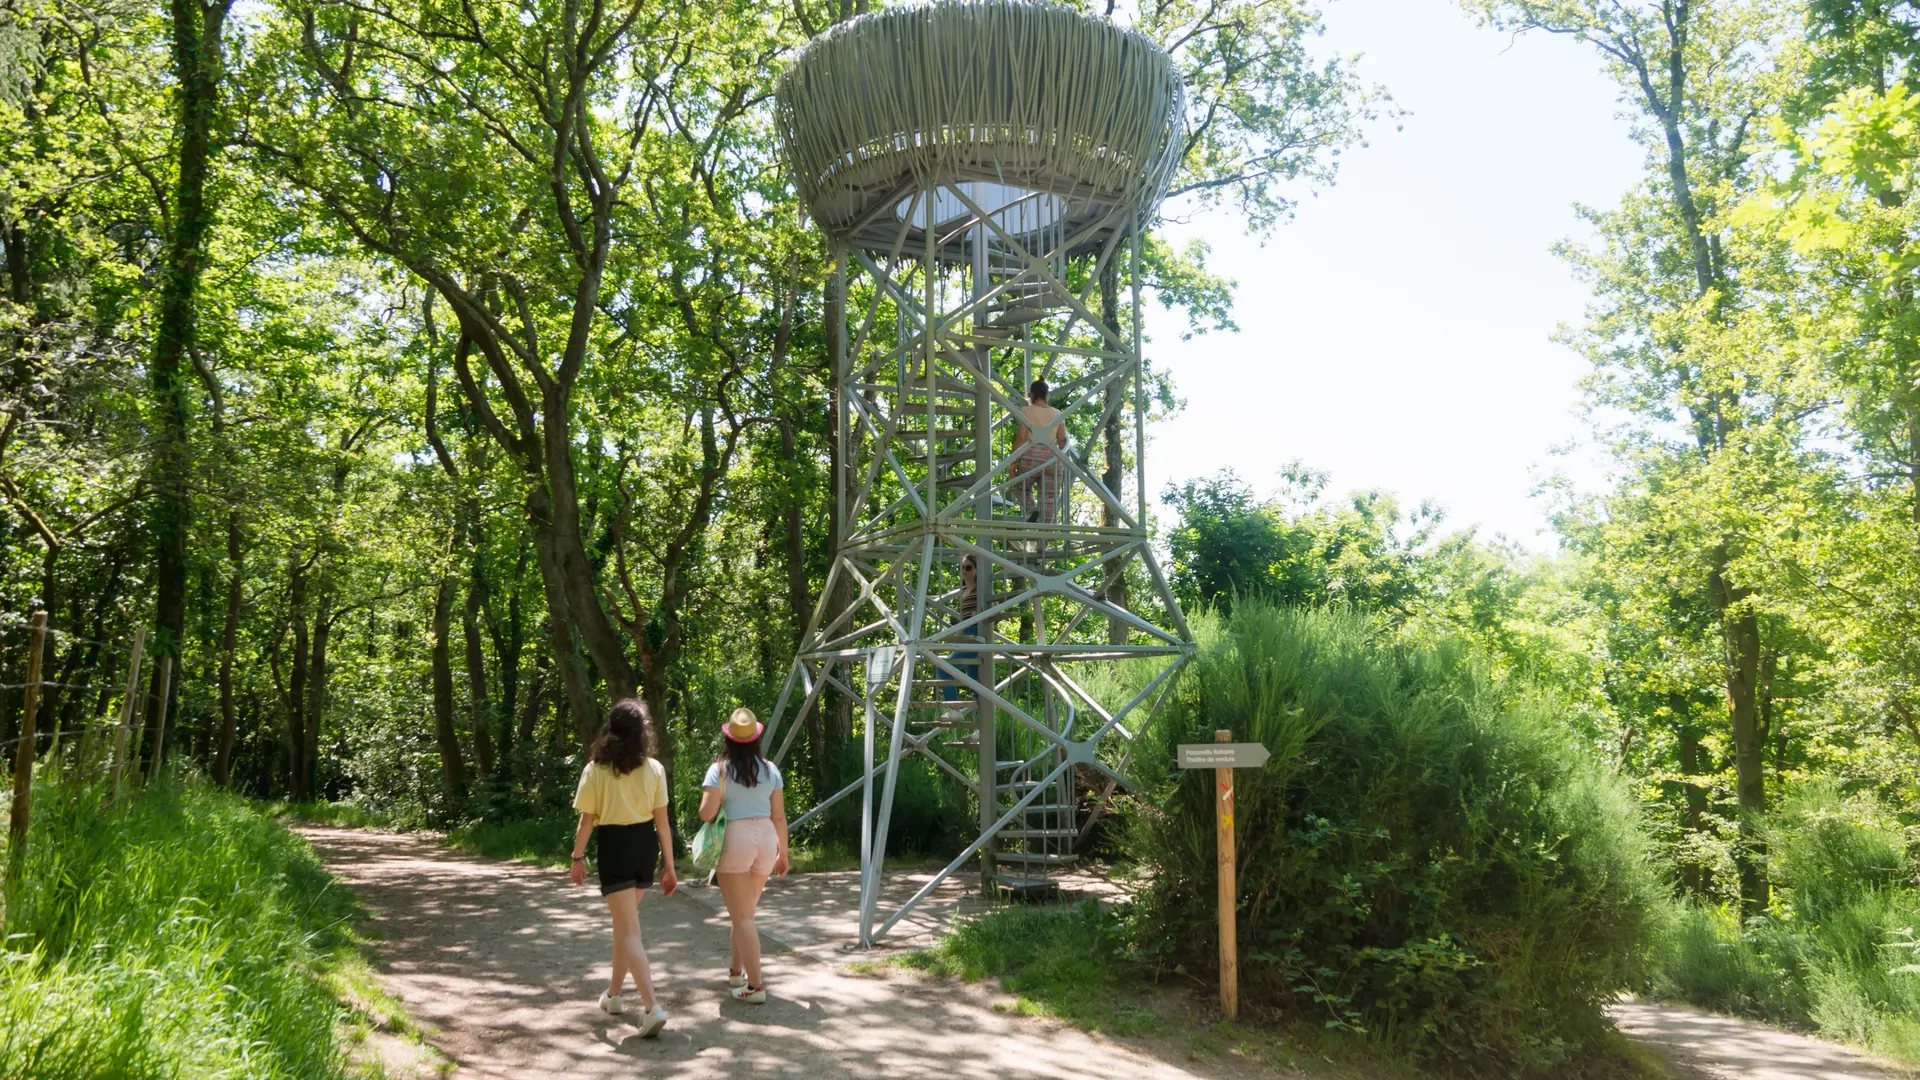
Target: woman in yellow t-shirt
[622,799]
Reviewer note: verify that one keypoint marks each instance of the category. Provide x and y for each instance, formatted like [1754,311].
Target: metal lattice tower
[980,169]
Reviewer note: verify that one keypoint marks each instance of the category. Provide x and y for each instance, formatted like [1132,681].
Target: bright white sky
[1397,333]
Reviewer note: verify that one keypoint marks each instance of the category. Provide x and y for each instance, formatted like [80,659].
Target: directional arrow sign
[1232,755]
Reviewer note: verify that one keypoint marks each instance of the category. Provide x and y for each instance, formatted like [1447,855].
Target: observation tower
[983,172]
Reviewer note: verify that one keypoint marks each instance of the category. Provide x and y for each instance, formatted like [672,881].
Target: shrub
[1840,952]
[1427,856]
[177,933]
[932,815]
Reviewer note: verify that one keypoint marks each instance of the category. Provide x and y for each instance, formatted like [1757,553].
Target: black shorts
[627,856]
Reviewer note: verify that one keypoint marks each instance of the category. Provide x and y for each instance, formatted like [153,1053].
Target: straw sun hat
[743,726]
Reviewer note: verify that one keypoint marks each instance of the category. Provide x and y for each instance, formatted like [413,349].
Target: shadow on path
[501,963]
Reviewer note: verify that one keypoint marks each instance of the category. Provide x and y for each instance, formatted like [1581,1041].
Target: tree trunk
[654,692]
[19,281]
[530,712]
[1694,879]
[105,604]
[229,639]
[508,643]
[317,684]
[581,706]
[557,512]
[1913,455]
[297,685]
[1740,628]
[1741,632]
[196,29]
[453,774]
[477,702]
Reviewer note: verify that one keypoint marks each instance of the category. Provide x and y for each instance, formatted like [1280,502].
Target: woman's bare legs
[742,894]
[629,955]
[618,979]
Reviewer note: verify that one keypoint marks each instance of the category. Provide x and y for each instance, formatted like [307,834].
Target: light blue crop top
[742,802]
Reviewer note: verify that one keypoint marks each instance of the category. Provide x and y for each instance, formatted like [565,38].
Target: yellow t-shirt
[614,799]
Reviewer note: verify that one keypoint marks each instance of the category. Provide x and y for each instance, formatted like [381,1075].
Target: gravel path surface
[501,963]
[1725,1048]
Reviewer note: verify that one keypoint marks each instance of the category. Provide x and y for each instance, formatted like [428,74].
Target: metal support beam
[954,316]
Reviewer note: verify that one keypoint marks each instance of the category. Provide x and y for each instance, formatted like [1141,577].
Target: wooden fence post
[1229,930]
[23,756]
[129,708]
[160,719]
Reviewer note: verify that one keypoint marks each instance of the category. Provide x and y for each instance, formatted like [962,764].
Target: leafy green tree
[1666,336]
[541,169]
[1842,199]
[198,72]
[1298,549]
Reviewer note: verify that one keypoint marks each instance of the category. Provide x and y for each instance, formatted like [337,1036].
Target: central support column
[983,577]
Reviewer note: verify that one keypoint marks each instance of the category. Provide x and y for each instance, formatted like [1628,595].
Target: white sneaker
[610,1003]
[955,715]
[752,995]
[736,979]
[652,1021]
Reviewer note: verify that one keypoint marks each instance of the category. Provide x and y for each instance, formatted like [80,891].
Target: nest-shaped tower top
[1049,118]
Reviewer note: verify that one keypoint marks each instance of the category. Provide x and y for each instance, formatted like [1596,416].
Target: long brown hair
[742,759]
[627,740]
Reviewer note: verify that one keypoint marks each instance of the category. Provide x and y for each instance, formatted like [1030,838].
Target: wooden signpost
[1223,756]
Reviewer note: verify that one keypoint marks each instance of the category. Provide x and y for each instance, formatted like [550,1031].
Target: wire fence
[10,628]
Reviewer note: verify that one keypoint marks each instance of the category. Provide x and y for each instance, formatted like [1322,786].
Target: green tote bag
[713,834]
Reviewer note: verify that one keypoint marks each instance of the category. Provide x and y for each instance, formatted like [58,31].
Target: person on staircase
[1038,467]
[750,787]
[622,801]
[966,661]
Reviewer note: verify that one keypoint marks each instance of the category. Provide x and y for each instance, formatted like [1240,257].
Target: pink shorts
[749,848]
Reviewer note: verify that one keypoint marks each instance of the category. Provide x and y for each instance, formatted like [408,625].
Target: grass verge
[1073,964]
[1066,963]
[179,932]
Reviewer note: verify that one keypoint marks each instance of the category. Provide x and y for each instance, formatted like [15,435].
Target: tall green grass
[1428,857]
[1068,963]
[179,933]
[546,841]
[349,815]
[1840,951]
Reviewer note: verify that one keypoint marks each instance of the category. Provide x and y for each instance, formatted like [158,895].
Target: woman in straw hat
[749,787]
[622,801]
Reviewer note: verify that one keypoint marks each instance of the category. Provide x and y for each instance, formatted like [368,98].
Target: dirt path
[501,962]
[1725,1048]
